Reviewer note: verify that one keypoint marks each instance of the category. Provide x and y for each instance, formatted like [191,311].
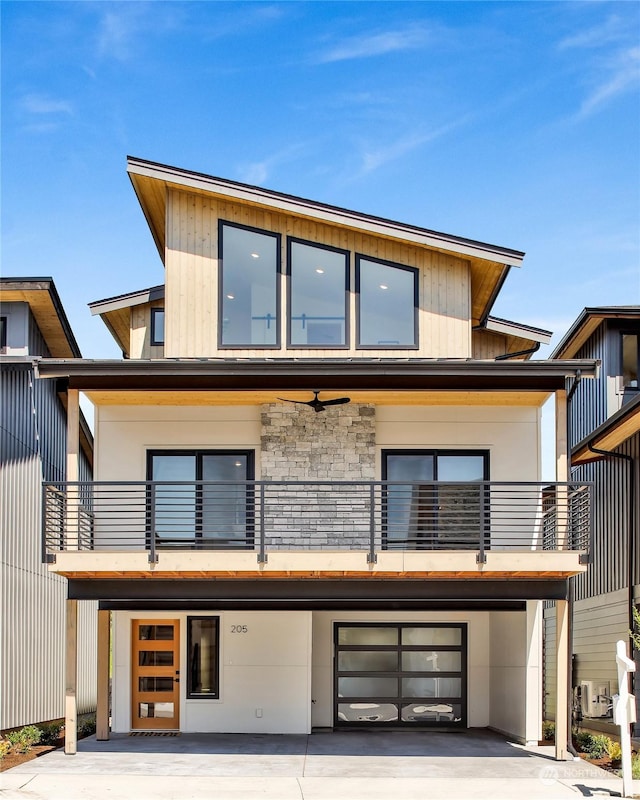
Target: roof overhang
[373,375]
[588,321]
[611,434]
[42,297]
[517,329]
[152,181]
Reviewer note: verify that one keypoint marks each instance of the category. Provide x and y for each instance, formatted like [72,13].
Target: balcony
[316,528]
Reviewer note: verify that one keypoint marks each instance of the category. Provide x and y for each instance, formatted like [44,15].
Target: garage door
[400,674]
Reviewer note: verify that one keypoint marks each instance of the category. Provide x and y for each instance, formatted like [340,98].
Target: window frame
[435,453]
[198,454]
[347,285]
[625,386]
[154,340]
[4,322]
[359,257]
[191,695]
[278,321]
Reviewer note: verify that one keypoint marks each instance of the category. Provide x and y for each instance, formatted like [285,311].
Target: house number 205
[239,629]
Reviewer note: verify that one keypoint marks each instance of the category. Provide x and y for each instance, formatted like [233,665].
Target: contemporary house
[604,437]
[317,498]
[33,448]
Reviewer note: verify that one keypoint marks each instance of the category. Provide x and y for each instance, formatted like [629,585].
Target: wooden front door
[155,674]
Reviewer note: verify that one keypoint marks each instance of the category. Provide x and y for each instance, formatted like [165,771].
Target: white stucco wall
[516,672]
[265,673]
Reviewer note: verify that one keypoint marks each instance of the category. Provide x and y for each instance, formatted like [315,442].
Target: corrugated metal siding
[32,621]
[589,403]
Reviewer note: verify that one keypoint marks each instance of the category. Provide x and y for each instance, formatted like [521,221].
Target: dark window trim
[278,238]
[198,453]
[3,334]
[403,451]
[485,454]
[215,695]
[416,300]
[399,648]
[622,332]
[155,341]
[347,327]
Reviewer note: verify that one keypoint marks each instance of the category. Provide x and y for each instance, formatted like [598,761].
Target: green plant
[614,751]
[50,732]
[5,747]
[598,746]
[86,725]
[582,741]
[635,633]
[24,739]
[635,766]
[548,731]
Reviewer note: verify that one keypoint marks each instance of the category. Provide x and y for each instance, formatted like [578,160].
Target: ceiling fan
[318,405]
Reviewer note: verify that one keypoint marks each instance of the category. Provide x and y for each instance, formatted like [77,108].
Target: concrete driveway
[354,765]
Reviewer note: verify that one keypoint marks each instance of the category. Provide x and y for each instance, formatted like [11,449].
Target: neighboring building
[604,437]
[33,449]
[272,566]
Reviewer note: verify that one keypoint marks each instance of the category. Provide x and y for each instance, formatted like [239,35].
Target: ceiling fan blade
[337,402]
[300,402]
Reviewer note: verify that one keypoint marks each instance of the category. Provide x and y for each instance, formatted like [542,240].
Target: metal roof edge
[126,300]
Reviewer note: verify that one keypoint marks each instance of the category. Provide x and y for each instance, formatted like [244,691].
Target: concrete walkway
[368,765]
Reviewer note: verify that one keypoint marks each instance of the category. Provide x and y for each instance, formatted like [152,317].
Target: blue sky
[513,123]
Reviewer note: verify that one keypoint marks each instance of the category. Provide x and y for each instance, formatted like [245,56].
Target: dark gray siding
[589,403]
[32,600]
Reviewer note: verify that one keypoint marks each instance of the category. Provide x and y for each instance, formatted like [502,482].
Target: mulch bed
[14,759]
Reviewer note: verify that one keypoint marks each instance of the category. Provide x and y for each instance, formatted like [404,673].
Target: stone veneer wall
[337,444]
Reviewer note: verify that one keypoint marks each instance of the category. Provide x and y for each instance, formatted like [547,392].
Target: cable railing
[270,516]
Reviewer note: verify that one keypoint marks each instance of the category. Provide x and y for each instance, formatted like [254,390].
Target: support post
[562,472]
[102,707]
[562,678]
[533,677]
[71,679]
[72,517]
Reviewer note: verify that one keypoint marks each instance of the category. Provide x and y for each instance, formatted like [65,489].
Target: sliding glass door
[202,499]
[434,499]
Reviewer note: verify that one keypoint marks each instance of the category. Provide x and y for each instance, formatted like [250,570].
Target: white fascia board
[521,331]
[329,214]
[127,300]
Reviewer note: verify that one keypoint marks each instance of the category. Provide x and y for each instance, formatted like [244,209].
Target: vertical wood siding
[589,403]
[192,280]
[141,331]
[32,599]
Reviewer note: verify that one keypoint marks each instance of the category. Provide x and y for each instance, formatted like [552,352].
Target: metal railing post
[262,556]
[372,556]
[481,557]
[153,556]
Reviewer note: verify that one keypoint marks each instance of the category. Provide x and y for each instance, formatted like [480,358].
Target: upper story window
[630,360]
[157,326]
[249,296]
[3,334]
[387,304]
[318,295]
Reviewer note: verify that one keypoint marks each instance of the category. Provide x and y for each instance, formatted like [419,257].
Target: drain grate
[154,733]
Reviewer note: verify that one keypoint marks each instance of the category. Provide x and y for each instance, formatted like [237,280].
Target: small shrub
[23,740]
[86,725]
[50,732]
[614,751]
[548,731]
[635,766]
[5,747]
[598,746]
[582,741]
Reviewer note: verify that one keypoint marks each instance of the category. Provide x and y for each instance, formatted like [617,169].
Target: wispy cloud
[613,29]
[43,105]
[123,27]
[376,44]
[623,76]
[375,157]
[258,172]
